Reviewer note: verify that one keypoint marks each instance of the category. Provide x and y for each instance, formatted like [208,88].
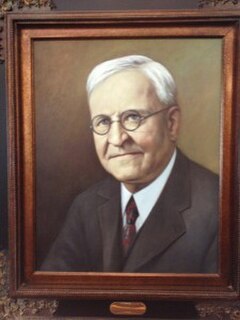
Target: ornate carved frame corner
[224,4]
[17,308]
[19,6]
[219,310]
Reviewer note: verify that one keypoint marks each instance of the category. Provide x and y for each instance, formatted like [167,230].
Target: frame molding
[19,6]
[96,25]
[43,307]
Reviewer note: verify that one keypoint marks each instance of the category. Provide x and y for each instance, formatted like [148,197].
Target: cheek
[100,145]
[150,142]
[153,147]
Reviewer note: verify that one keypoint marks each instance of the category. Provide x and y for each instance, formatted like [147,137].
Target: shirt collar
[151,192]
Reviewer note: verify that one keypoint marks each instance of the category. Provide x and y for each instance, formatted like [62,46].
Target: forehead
[124,90]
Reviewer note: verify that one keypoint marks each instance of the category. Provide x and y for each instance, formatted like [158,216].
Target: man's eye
[132,117]
[102,122]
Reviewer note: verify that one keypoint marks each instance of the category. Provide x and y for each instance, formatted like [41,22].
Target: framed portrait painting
[105,106]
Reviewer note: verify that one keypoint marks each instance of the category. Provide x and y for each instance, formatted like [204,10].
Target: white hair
[159,76]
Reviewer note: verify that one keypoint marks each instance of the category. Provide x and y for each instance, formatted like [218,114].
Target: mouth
[123,155]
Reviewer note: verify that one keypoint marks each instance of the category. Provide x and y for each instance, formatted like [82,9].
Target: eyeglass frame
[120,120]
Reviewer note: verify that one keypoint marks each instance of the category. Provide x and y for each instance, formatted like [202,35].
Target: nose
[117,135]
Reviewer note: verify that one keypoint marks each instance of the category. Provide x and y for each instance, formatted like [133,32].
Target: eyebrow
[130,109]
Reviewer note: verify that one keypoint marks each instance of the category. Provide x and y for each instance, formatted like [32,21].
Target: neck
[133,188]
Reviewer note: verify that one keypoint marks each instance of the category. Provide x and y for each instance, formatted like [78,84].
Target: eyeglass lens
[129,120]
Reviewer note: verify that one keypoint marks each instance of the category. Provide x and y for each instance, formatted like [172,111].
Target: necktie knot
[131,212]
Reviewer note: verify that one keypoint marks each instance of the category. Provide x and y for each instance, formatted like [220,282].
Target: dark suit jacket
[179,236]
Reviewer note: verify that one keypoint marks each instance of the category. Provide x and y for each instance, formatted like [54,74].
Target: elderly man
[158,211]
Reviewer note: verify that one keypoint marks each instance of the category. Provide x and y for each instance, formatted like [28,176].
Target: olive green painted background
[66,160]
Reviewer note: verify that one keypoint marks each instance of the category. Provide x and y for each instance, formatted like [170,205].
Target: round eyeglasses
[129,120]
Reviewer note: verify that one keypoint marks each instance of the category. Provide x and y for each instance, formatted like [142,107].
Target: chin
[126,178]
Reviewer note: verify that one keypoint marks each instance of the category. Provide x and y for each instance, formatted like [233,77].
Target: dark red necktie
[129,229]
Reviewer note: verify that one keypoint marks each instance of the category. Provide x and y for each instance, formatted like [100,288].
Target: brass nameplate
[128,308]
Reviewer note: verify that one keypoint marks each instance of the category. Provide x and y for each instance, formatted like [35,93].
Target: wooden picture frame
[23,32]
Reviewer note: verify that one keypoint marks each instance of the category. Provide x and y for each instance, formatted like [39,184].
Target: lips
[119,155]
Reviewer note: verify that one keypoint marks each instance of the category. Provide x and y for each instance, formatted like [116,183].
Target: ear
[173,122]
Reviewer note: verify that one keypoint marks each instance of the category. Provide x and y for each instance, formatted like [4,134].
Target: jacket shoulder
[203,185]
[203,176]
[197,172]
[97,192]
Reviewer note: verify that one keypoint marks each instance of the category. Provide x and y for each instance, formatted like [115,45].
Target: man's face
[137,157]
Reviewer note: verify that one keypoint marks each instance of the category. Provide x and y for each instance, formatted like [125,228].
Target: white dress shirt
[146,198]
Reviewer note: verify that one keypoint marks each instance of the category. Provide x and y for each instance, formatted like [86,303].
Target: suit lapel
[111,223]
[165,223]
